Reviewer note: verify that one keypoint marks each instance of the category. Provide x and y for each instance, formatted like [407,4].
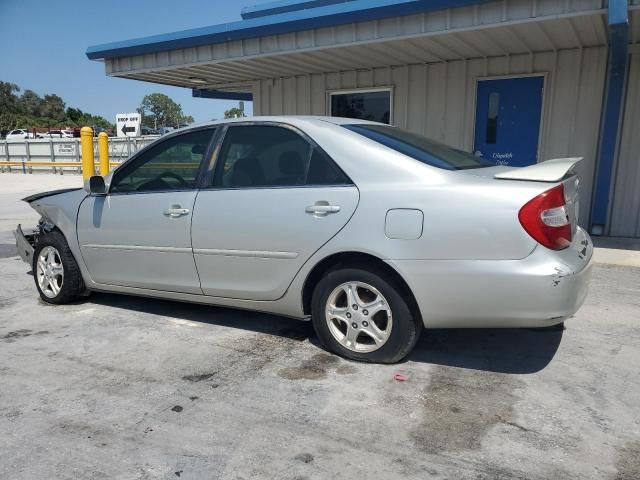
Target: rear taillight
[545,219]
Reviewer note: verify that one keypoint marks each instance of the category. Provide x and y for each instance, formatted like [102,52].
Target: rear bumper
[540,290]
[24,246]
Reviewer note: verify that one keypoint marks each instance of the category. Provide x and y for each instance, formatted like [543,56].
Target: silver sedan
[372,232]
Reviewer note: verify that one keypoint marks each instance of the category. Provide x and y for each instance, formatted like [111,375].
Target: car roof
[295,120]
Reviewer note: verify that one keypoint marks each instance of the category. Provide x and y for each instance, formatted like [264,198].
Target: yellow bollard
[103,148]
[86,144]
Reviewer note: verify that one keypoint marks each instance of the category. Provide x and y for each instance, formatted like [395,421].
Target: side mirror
[97,185]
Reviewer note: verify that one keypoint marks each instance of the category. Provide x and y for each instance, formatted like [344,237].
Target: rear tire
[55,270]
[363,316]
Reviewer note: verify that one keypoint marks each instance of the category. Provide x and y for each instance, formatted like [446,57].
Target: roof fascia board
[331,15]
[283,6]
[221,95]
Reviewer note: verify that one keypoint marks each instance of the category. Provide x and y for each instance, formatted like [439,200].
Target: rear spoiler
[548,171]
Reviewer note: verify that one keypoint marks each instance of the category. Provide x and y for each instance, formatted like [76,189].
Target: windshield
[420,148]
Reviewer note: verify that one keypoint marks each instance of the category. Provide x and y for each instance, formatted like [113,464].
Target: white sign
[128,124]
[65,148]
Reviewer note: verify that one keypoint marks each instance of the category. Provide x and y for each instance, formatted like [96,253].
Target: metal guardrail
[64,154]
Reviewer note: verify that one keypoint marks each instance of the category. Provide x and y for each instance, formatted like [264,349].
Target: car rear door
[139,235]
[274,200]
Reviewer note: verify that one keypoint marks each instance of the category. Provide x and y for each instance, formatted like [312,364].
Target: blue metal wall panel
[612,113]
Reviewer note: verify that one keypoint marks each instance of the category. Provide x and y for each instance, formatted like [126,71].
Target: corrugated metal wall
[438,99]
[625,216]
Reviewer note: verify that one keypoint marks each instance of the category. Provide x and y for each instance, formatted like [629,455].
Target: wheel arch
[47,227]
[72,277]
[356,259]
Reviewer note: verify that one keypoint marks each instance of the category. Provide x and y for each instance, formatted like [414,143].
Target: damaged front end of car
[57,209]
[26,241]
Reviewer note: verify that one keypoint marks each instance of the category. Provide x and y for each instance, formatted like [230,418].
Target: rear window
[420,148]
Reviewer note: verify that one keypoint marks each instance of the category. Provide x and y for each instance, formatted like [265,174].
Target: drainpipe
[618,20]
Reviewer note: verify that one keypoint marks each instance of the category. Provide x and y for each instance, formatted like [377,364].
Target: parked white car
[21,134]
[58,134]
[18,133]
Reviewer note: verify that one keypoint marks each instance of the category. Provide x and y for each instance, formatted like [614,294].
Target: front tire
[360,315]
[55,270]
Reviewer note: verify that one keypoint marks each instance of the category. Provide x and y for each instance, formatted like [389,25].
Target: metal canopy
[329,14]
[477,29]
[403,40]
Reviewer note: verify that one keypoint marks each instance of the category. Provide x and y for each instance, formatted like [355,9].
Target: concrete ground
[124,388]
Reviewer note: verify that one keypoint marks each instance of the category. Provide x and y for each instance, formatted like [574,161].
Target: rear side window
[323,171]
[420,148]
[255,156]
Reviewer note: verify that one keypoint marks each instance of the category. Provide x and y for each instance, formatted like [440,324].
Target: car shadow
[226,317]
[509,350]
[618,243]
[513,351]
[8,250]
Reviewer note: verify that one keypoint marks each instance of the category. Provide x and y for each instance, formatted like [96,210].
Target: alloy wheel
[50,272]
[359,317]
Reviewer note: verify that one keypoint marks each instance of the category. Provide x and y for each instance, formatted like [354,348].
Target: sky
[43,44]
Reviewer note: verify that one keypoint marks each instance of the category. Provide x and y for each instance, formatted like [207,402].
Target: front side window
[272,156]
[374,106]
[171,165]
[420,148]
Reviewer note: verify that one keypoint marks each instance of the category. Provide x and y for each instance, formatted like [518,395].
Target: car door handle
[322,209]
[176,211]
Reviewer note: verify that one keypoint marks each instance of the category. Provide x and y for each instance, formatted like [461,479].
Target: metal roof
[327,15]
[282,6]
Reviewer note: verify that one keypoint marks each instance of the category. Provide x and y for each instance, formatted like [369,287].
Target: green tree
[52,106]
[159,110]
[30,103]
[234,113]
[74,114]
[29,110]
[8,98]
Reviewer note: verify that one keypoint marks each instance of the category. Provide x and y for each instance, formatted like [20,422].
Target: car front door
[275,199]
[139,235]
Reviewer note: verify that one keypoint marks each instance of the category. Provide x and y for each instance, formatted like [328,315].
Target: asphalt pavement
[121,387]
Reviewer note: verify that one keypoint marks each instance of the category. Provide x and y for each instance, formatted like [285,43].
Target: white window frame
[390,89]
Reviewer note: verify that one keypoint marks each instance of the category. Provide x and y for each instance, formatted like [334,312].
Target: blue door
[508,120]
